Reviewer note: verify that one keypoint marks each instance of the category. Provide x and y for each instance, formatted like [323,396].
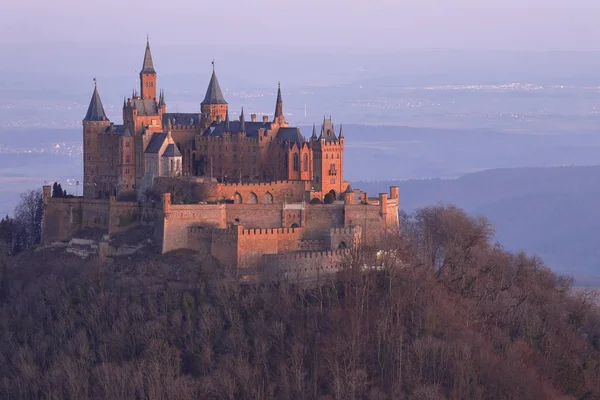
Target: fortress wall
[254,215]
[368,218]
[199,190]
[224,247]
[303,265]
[282,191]
[62,218]
[180,217]
[321,217]
[347,237]
[122,215]
[254,243]
[95,214]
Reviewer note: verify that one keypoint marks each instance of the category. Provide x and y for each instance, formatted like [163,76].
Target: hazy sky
[360,24]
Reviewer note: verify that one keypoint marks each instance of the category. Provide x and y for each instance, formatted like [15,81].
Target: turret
[242,121]
[227,125]
[214,103]
[278,117]
[95,124]
[148,76]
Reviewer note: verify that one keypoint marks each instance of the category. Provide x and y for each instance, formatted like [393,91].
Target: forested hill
[460,319]
[552,212]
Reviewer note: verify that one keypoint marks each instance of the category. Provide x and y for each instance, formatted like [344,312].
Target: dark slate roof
[148,66]
[95,110]
[156,142]
[291,135]
[115,129]
[171,151]
[181,118]
[145,106]
[234,127]
[328,132]
[214,95]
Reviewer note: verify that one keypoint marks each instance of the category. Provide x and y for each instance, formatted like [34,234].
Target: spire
[148,67]
[161,98]
[124,102]
[279,103]
[341,135]
[95,110]
[314,135]
[214,95]
[242,122]
[227,127]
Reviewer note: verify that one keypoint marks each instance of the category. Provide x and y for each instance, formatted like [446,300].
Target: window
[127,158]
[332,181]
[305,162]
[296,162]
[127,143]
[327,156]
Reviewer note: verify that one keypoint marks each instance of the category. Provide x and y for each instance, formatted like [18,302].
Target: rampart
[300,266]
[203,190]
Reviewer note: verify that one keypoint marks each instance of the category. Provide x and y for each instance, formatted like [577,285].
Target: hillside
[461,319]
[552,212]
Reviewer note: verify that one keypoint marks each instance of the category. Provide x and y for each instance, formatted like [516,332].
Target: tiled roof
[156,142]
[292,135]
[181,118]
[234,127]
[148,66]
[214,95]
[145,106]
[95,110]
[172,151]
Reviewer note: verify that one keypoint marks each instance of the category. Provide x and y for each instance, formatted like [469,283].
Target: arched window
[237,198]
[268,198]
[252,198]
[296,162]
[305,162]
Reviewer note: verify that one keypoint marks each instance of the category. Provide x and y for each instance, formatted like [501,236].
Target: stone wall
[302,266]
[62,218]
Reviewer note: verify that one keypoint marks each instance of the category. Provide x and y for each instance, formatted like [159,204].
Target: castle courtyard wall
[62,218]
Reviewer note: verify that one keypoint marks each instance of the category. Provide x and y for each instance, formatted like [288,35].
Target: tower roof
[242,121]
[214,95]
[279,103]
[148,67]
[95,110]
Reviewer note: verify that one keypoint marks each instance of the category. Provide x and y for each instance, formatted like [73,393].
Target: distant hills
[552,212]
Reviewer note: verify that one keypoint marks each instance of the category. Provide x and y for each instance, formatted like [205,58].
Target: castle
[255,194]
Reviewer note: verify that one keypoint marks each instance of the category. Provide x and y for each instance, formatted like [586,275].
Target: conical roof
[242,121]
[148,67]
[214,95]
[95,110]
[279,103]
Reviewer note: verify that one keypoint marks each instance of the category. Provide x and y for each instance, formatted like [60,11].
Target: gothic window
[296,162]
[305,162]
[128,159]
[237,198]
[327,156]
[252,198]
[127,143]
[268,198]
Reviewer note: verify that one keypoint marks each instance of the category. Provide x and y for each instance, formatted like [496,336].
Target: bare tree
[29,213]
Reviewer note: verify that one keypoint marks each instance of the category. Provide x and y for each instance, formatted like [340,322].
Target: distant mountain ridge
[552,212]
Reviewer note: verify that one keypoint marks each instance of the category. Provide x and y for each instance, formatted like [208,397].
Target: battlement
[271,231]
[308,255]
[262,184]
[349,230]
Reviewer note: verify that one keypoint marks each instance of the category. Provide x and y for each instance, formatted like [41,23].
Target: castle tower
[126,166]
[95,124]
[214,104]
[328,155]
[148,76]
[278,117]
